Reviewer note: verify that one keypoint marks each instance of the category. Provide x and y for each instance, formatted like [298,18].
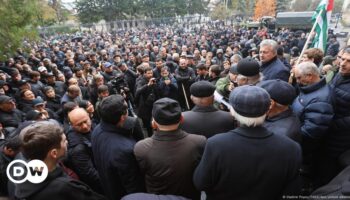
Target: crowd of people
[173,113]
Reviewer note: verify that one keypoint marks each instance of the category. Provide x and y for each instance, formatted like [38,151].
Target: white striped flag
[325,8]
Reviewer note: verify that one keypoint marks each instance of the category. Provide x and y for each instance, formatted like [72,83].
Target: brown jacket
[168,160]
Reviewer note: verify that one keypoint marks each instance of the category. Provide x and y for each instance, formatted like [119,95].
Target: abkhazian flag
[321,29]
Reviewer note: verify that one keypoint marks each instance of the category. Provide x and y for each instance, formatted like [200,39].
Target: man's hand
[151,81]
[45,113]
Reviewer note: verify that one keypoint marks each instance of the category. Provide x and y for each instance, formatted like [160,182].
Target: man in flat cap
[168,158]
[248,72]
[204,118]
[109,72]
[190,61]
[241,163]
[10,117]
[58,86]
[280,118]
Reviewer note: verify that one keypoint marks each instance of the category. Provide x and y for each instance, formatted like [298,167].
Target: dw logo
[35,171]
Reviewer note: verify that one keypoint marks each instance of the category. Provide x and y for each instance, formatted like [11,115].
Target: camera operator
[120,86]
[146,95]
[109,72]
[129,76]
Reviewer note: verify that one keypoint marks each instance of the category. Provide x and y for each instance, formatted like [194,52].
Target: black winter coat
[207,121]
[339,140]
[275,69]
[81,158]
[59,87]
[57,186]
[145,96]
[112,148]
[314,108]
[249,163]
[285,124]
[11,119]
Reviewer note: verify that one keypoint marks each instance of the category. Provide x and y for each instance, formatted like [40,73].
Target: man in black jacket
[339,141]
[79,148]
[280,119]
[204,118]
[112,146]
[272,67]
[146,95]
[241,163]
[314,108]
[185,76]
[46,141]
[169,157]
[8,152]
[58,86]
[35,83]
[10,117]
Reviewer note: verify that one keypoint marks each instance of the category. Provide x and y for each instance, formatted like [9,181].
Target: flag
[322,18]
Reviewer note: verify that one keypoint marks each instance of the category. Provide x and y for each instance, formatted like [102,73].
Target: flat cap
[280,91]
[22,82]
[250,101]
[33,115]
[202,89]
[107,64]
[248,67]
[38,101]
[5,99]
[166,111]
[2,83]
[328,60]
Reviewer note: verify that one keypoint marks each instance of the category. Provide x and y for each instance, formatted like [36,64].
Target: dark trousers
[146,124]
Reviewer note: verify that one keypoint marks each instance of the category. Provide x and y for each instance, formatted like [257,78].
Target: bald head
[80,120]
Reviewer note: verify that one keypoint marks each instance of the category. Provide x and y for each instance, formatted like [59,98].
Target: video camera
[119,85]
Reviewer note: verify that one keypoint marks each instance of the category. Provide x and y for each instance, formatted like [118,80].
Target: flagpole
[305,46]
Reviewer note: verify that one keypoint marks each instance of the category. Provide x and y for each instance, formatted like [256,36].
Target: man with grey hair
[241,163]
[271,66]
[235,59]
[314,108]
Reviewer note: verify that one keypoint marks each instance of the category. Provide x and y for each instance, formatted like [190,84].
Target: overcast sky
[68,3]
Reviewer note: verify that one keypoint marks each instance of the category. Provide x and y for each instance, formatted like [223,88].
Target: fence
[102,26]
